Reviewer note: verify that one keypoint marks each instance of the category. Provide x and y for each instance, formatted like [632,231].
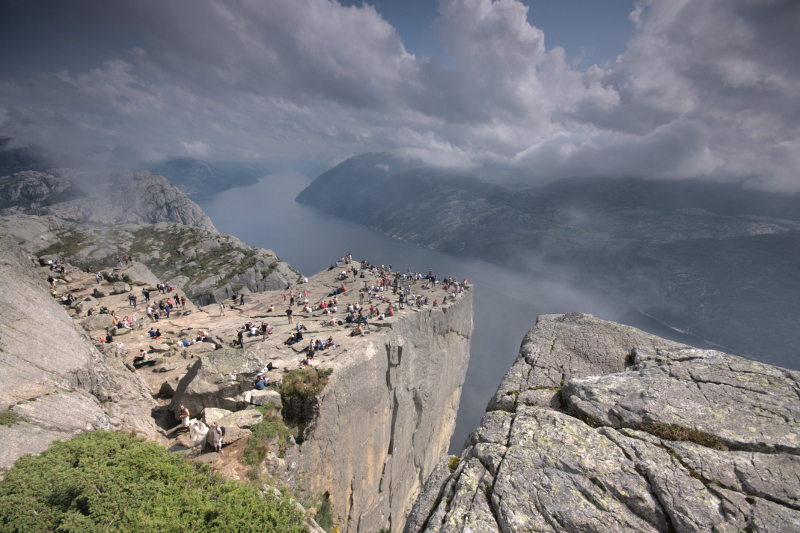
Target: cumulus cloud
[705,88]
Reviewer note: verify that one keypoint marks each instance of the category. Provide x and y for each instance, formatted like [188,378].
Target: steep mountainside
[601,427]
[54,383]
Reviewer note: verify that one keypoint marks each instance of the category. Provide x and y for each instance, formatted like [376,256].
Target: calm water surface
[506,301]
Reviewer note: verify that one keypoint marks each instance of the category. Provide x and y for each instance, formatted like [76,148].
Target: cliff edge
[601,427]
[387,415]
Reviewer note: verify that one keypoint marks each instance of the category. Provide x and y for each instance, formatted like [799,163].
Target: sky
[554,89]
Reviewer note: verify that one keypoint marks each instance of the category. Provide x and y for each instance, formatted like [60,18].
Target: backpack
[222,430]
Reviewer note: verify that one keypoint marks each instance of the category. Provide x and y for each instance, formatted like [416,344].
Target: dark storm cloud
[706,88]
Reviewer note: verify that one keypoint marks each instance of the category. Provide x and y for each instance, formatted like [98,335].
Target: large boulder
[96,322]
[601,427]
[135,272]
[265,397]
[215,379]
[212,414]
[244,419]
[89,302]
[120,287]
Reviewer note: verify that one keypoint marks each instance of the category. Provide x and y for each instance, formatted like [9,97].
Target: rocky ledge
[602,427]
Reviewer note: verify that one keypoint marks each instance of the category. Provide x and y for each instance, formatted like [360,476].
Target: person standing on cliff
[221,309]
[184,416]
[289,313]
[218,438]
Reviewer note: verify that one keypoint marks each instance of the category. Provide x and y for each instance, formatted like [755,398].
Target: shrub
[110,481]
[9,417]
[305,383]
[270,427]
[324,516]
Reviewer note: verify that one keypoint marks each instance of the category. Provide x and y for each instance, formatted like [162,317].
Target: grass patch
[453,464]
[675,432]
[9,418]
[305,383]
[71,243]
[262,434]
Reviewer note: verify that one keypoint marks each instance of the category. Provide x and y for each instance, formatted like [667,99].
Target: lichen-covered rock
[661,438]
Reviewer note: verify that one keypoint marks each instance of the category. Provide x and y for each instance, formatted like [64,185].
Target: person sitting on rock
[260,383]
[141,358]
[291,340]
[358,331]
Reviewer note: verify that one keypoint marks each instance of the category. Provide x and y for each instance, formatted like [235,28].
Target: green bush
[324,516]
[262,433]
[110,481]
[9,417]
[305,383]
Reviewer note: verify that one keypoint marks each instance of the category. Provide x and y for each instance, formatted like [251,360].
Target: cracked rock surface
[601,427]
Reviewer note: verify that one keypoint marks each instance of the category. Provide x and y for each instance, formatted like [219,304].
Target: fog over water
[506,301]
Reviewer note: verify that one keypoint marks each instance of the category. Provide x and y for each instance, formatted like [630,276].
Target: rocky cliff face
[53,382]
[130,197]
[386,417]
[601,427]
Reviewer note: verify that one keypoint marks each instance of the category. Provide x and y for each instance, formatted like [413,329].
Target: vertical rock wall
[387,416]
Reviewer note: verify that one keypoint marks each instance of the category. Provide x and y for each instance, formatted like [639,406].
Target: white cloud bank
[707,88]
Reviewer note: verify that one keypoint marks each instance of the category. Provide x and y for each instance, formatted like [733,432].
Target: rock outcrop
[386,417]
[215,380]
[130,197]
[53,382]
[601,427]
[207,266]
